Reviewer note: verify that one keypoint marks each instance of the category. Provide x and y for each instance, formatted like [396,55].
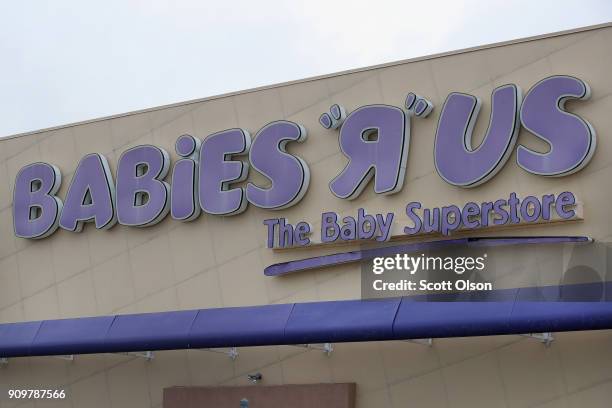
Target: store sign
[440,220]
[374,138]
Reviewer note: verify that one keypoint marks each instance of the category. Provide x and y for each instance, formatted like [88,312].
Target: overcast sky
[67,61]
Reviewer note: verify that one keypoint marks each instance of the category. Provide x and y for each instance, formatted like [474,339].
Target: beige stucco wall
[217,262]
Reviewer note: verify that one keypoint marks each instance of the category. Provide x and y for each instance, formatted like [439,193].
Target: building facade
[179,260]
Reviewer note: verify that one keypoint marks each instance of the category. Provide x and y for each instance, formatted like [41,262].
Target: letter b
[36,209]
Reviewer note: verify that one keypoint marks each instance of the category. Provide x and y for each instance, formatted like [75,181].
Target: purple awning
[512,311]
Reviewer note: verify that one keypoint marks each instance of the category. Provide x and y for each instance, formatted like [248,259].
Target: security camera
[255,378]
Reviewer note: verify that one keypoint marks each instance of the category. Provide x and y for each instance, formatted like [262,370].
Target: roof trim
[318,77]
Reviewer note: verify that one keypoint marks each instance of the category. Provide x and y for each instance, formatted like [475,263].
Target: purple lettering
[91,196]
[349,229]
[270,223]
[565,199]
[36,209]
[384,225]
[330,230]
[456,160]
[217,173]
[450,219]
[547,201]
[501,214]
[375,141]
[431,220]
[366,225]
[513,202]
[302,231]
[142,196]
[183,194]
[531,209]
[289,174]
[469,213]
[487,207]
[285,234]
[410,212]
[571,138]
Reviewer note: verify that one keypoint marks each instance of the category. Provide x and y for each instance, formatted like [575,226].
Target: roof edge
[316,78]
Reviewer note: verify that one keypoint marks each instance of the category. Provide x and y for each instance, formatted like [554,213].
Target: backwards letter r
[384,158]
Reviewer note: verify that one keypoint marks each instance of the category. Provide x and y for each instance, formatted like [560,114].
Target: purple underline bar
[324,261]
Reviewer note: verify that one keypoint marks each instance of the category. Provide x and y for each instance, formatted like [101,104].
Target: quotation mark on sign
[334,118]
[417,105]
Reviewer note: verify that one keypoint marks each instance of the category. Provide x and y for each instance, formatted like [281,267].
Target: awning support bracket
[67,357]
[327,348]
[232,352]
[544,338]
[424,342]
[147,355]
